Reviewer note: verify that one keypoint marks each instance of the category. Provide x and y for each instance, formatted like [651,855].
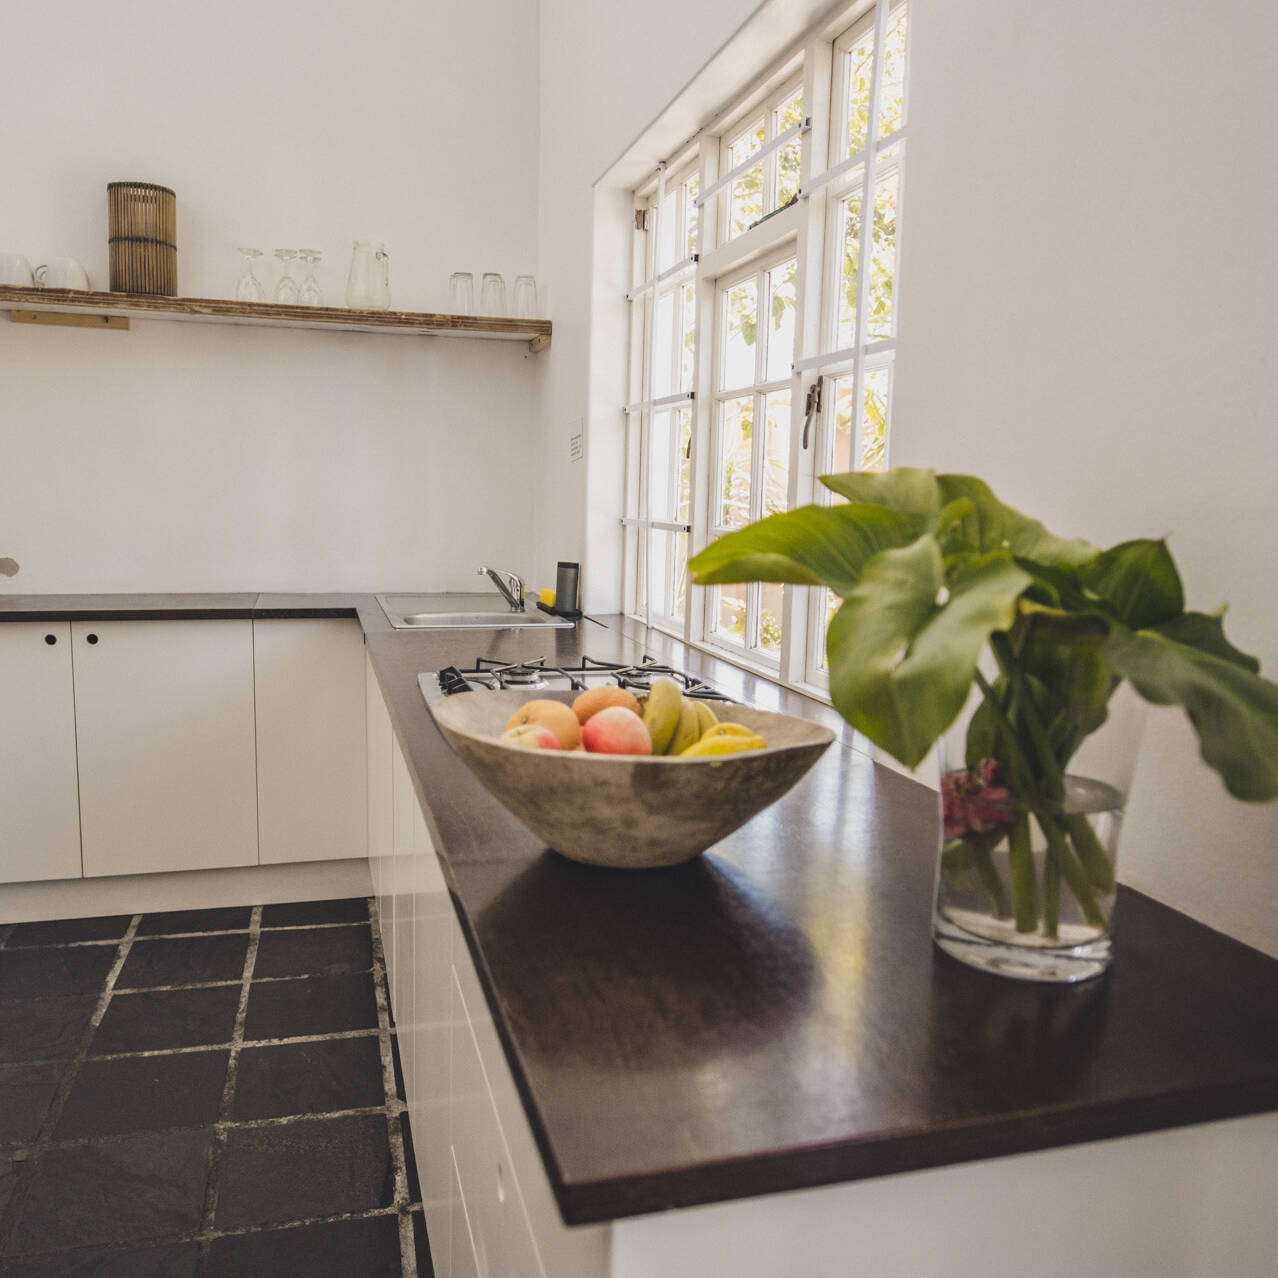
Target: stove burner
[488,673]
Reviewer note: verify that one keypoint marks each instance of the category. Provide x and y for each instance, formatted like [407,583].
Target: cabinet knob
[51,638]
[92,638]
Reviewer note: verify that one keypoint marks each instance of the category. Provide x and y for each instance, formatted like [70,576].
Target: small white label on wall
[576,441]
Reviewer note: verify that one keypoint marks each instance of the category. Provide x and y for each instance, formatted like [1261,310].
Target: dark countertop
[774,1015]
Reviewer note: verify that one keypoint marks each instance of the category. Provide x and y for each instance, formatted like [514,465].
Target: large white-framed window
[781,239]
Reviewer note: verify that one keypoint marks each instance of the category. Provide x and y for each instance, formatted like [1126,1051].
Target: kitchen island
[772,1019]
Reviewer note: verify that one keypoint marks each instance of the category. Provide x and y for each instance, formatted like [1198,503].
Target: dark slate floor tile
[226,919]
[43,1028]
[294,913]
[60,931]
[141,1093]
[304,1169]
[56,970]
[179,1260]
[7,1178]
[320,951]
[158,1019]
[310,1005]
[309,1078]
[410,1160]
[184,960]
[148,1185]
[25,1093]
[340,1249]
[400,1090]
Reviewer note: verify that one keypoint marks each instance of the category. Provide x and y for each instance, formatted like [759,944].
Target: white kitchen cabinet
[165,736]
[39,809]
[311,771]
[379,735]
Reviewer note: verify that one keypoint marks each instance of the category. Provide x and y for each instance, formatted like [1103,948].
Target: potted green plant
[967,624]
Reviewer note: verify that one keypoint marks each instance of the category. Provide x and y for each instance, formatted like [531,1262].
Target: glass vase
[1030,822]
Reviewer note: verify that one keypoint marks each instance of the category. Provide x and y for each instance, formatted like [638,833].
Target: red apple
[616,730]
[531,736]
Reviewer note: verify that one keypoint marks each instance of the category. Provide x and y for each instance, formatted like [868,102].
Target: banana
[729,744]
[706,717]
[688,732]
[729,730]
[661,712]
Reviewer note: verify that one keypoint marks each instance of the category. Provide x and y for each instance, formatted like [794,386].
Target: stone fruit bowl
[627,811]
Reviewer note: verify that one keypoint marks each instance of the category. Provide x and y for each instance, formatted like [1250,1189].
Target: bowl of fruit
[610,779]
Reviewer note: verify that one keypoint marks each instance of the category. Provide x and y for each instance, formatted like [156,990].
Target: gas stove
[539,673]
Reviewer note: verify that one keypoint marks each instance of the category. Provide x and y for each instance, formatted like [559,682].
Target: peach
[593,700]
[554,715]
[616,730]
[531,736]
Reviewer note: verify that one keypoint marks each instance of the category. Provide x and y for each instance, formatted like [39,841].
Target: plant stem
[1015,757]
[987,872]
[1091,851]
[1051,896]
[1071,869]
[1020,859]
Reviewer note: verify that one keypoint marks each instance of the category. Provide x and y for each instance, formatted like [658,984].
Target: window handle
[811,407]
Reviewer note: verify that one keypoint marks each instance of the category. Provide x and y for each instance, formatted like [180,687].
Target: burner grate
[589,672]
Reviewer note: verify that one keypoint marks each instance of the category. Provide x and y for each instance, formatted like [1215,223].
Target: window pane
[736,455]
[663,474]
[832,605]
[690,216]
[669,573]
[860,64]
[781,285]
[789,113]
[730,613]
[668,230]
[745,206]
[776,461]
[878,322]
[850,237]
[740,323]
[688,345]
[874,417]
[662,336]
[842,459]
[746,144]
[770,617]
[892,97]
[685,468]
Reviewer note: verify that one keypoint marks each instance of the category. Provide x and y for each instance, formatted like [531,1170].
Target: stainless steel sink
[461,612]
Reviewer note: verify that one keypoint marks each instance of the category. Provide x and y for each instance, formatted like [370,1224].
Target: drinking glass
[310,294]
[525,297]
[492,294]
[286,289]
[368,284]
[461,292]
[249,288]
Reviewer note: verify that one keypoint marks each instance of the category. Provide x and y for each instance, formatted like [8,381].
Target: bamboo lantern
[143,238]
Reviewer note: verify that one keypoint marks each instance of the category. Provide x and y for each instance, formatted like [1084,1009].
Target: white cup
[61,272]
[15,270]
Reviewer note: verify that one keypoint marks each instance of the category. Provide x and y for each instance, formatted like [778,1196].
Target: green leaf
[994,526]
[1233,710]
[1139,581]
[1206,632]
[814,545]
[901,661]
[904,488]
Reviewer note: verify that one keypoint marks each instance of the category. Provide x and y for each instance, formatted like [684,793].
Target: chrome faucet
[511,587]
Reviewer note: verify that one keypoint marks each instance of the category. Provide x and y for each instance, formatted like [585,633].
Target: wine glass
[286,289]
[461,292]
[249,288]
[492,294]
[525,297]
[310,294]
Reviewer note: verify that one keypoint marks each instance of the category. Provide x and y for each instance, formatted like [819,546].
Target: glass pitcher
[368,284]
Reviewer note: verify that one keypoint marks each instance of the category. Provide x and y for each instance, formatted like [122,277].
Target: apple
[616,730]
[531,736]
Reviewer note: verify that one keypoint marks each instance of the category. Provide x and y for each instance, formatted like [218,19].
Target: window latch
[811,407]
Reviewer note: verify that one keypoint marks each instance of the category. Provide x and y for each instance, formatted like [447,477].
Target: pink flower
[975,801]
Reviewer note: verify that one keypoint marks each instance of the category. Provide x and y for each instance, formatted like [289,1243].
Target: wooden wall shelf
[214,310]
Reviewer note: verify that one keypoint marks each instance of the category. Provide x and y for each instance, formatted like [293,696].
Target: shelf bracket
[69,320]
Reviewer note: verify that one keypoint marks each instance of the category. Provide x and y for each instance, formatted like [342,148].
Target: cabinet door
[380,800]
[311,769]
[164,724]
[39,810]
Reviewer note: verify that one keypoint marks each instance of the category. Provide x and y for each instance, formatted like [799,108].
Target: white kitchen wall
[184,456]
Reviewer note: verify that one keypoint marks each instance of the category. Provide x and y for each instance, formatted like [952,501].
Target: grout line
[174,936]
[217,1146]
[407,1244]
[12,1209]
[239,1231]
[257,980]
